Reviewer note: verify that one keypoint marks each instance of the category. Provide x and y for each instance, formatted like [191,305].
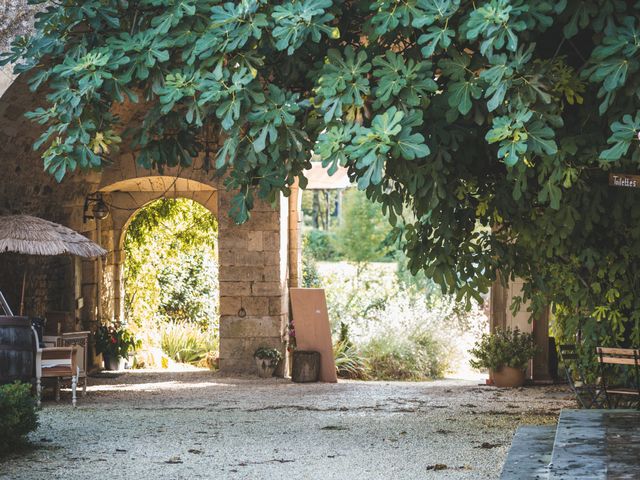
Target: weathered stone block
[271,274]
[256,306]
[230,305]
[271,241]
[254,241]
[248,327]
[266,221]
[241,273]
[235,289]
[277,305]
[226,256]
[266,289]
[250,258]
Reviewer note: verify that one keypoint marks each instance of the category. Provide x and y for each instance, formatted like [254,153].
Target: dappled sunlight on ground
[199,424]
[153,386]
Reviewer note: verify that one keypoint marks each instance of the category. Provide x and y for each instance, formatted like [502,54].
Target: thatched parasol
[35,236]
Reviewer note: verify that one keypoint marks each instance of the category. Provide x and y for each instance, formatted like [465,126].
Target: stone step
[596,444]
[530,453]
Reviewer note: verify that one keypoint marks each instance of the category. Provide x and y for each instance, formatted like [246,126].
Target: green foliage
[349,362]
[18,415]
[310,276]
[386,329]
[485,129]
[189,293]
[417,356]
[186,342]
[503,348]
[272,354]
[171,266]
[320,245]
[363,231]
[115,341]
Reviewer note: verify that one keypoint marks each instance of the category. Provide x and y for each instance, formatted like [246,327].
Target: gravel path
[198,425]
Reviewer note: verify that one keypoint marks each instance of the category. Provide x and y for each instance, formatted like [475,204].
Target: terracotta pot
[508,377]
[266,367]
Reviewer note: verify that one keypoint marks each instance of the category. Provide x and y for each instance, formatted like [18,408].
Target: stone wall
[255,258]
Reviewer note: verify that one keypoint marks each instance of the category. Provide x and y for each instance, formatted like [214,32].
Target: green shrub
[415,357]
[267,353]
[18,415]
[504,347]
[320,244]
[349,362]
[186,342]
[310,275]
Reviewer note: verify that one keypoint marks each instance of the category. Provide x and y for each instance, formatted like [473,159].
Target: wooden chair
[51,341]
[588,395]
[58,363]
[619,356]
[81,341]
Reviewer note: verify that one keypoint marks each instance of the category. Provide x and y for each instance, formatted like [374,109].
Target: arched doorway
[171,286]
[127,197]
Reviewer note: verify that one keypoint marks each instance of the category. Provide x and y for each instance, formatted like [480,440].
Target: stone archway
[125,198]
[253,259]
[258,260]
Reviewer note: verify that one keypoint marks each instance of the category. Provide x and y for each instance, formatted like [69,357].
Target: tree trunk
[316,209]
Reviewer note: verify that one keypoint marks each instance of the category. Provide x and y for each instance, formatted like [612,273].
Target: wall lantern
[99,209]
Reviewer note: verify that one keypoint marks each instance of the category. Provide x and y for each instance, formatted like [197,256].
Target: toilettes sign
[622,180]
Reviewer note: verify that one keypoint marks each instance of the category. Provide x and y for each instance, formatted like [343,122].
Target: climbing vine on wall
[485,129]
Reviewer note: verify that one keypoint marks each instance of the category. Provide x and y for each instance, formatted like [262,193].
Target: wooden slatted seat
[58,363]
[629,357]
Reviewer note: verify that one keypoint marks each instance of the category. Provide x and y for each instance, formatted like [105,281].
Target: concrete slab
[597,444]
[530,453]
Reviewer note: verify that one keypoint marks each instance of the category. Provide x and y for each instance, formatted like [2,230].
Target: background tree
[362,234]
[488,126]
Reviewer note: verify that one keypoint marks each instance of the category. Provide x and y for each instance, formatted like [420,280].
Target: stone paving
[190,425]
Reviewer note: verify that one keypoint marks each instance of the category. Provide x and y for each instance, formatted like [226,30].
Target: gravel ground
[189,425]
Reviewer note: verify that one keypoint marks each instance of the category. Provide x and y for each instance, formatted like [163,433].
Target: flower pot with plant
[505,353]
[267,360]
[115,342]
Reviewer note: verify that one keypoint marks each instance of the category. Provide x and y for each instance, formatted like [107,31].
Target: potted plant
[115,342]
[506,354]
[267,359]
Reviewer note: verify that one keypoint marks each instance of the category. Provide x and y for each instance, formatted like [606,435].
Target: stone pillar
[501,317]
[253,284]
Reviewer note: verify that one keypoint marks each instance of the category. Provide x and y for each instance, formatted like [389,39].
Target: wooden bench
[629,357]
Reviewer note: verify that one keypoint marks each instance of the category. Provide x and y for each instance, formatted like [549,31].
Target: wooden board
[313,332]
